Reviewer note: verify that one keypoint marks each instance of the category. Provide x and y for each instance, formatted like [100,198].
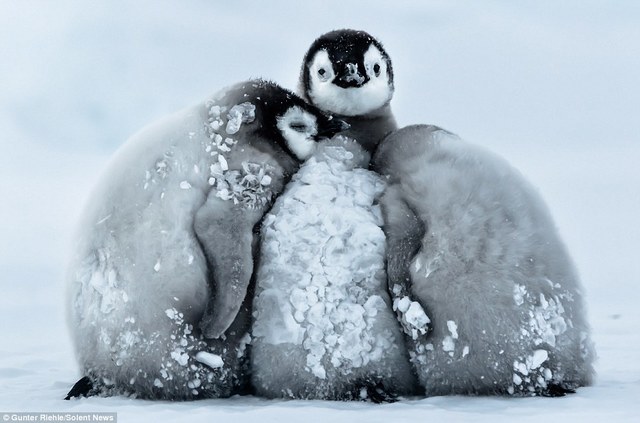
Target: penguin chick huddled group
[483,287]
[435,270]
[324,327]
[164,254]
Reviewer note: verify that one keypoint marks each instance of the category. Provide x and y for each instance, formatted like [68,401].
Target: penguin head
[285,120]
[347,72]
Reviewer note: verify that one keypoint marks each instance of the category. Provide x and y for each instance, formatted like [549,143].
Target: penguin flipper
[82,388]
[225,232]
[404,231]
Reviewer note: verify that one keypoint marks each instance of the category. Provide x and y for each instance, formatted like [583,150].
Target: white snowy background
[553,86]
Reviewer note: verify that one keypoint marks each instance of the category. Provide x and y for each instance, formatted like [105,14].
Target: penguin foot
[82,388]
[557,390]
[377,394]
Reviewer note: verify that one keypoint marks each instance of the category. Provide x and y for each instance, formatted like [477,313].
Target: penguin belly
[323,325]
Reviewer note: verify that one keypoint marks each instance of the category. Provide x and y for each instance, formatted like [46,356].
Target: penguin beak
[331,127]
[351,76]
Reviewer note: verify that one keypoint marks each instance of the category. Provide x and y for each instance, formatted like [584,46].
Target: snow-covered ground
[552,86]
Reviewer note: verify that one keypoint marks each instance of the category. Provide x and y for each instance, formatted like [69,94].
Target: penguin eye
[323,74]
[298,126]
[376,69]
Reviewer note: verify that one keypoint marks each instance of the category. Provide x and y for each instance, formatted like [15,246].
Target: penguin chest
[321,282]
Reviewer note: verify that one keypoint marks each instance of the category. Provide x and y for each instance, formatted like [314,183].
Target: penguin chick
[474,243]
[323,324]
[349,74]
[164,253]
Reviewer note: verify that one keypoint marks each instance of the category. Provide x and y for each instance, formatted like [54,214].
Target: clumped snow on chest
[322,266]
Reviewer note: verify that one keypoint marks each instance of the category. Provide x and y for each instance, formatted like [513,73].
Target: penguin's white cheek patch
[321,68]
[298,129]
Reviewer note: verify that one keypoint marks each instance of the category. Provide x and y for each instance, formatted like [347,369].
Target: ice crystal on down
[449,341]
[212,360]
[545,322]
[239,114]
[412,317]
[465,351]
[529,374]
[244,342]
[519,291]
[249,187]
[321,283]
[103,279]
[223,163]
[215,120]
[546,318]
[162,168]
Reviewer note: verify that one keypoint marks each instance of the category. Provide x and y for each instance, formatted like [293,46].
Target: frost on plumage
[321,284]
[329,306]
[453,328]
[212,360]
[545,323]
[519,291]
[546,318]
[411,315]
[449,341]
[245,341]
[239,114]
[249,187]
[529,374]
[97,274]
[162,168]
[182,344]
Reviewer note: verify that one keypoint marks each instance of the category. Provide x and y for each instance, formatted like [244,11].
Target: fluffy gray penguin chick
[473,242]
[349,74]
[164,255]
[323,323]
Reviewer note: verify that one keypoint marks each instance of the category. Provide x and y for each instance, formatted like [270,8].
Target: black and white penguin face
[299,129]
[283,118]
[347,72]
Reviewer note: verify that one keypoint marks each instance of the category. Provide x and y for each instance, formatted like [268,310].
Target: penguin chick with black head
[158,284]
[349,74]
